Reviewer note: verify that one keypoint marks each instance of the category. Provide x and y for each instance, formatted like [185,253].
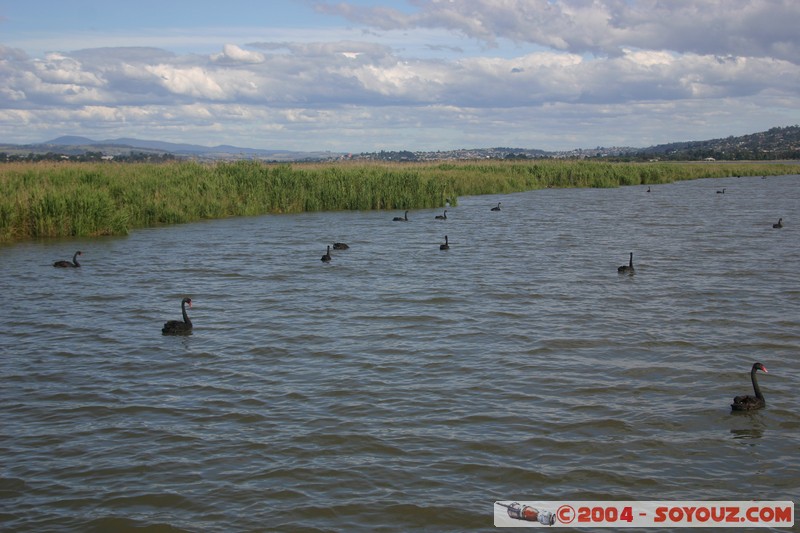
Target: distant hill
[73,145]
[218,151]
[773,144]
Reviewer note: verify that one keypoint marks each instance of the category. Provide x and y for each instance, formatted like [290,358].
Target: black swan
[749,403]
[340,246]
[648,189]
[721,192]
[403,218]
[67,264]
[441,217]
[627,269]
[327,257]
[178,327]
[497,208]
[779,224]
[446,245]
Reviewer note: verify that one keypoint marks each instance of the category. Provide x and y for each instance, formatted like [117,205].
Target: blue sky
[391,75]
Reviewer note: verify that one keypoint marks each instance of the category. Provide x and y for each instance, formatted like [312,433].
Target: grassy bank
[84,199]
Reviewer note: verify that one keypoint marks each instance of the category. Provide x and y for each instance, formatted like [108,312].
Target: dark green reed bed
[86,199]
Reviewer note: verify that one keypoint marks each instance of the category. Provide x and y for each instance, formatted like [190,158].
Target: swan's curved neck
[75,259]
[185,314]
[756,388]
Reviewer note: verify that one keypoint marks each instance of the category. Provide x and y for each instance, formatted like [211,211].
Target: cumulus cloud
[740,27]
[233,54]
[339,75]
[60,69]
[192,81]
[12,54]
[575,64]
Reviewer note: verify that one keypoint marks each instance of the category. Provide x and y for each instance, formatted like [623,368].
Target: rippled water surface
[402,387]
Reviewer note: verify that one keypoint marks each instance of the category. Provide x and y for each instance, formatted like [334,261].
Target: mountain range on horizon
[775,143]
[162,146]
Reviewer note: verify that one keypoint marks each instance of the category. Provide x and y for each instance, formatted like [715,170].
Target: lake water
[401,387]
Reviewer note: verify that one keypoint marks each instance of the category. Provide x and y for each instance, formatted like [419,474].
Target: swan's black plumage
[403,218]
[497,207]
[340,246]
[178,327]
[67,264]
[446,245]
[779,223]
[747,402]
[442,216]
[327,257]
[627,269]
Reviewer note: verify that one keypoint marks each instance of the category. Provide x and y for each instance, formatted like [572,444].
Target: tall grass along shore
[39,200]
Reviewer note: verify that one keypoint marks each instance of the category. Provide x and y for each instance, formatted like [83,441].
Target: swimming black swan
[721,192]
[497,208]
[749,403]
[403,218]
[627,269]
[67,264]
[441,217]
[779,224]
[648,189]
[327,257]
[446,245]
[340,246]
[177,327]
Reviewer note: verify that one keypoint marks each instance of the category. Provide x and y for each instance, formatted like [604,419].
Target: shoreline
[50,200]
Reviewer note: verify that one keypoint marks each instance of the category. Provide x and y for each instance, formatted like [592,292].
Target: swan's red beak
[764,369]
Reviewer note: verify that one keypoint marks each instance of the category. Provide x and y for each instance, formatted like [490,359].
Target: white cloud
[233,54]
[192,81]
[740,27]
[8,53]
[60,69]
[598,70]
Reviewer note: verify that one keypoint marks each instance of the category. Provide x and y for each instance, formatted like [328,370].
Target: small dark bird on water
[627,269]
[446,245]
[340,246]
[67,264]
[327,257]
[747,402]
[496,208]
[779,223]
[403,218]
[178,327]
[721,192]
[441,217]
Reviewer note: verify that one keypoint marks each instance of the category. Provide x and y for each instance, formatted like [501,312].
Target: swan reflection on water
[747,433]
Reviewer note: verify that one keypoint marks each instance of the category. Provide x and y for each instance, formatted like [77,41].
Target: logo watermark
[690,513]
